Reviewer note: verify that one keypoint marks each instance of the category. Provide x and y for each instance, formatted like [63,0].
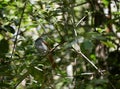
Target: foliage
[83,36]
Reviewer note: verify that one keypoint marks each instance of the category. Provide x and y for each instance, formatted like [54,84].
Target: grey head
[41,46]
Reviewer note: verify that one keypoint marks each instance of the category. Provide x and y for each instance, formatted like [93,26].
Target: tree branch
[88,60]
[19,26]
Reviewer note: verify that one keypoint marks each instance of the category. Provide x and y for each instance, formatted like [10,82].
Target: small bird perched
[43,49]
[41,46]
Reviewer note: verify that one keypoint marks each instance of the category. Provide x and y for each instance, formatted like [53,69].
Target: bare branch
[88,60]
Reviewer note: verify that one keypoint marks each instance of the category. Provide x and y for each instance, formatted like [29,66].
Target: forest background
[84,37]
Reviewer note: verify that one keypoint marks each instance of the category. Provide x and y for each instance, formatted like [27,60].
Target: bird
[41,46]
[44,50]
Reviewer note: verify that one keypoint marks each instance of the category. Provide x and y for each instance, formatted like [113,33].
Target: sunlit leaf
[109,44]
[106,2]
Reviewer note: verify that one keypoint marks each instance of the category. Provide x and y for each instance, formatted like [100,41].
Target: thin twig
[56,28]
[21,79]
[81,20]
[88,60]
[80,4]
[111,84]
[14,46]
[75,35]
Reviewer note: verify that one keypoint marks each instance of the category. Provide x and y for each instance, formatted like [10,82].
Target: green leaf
[99,81]
[37,73]
[87,45]
[106,2]
[89,86]
[109,44]
[93,56]
[4,85]
[4,47]
[21,78]
[2,29]
[95,35]
[9,29]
